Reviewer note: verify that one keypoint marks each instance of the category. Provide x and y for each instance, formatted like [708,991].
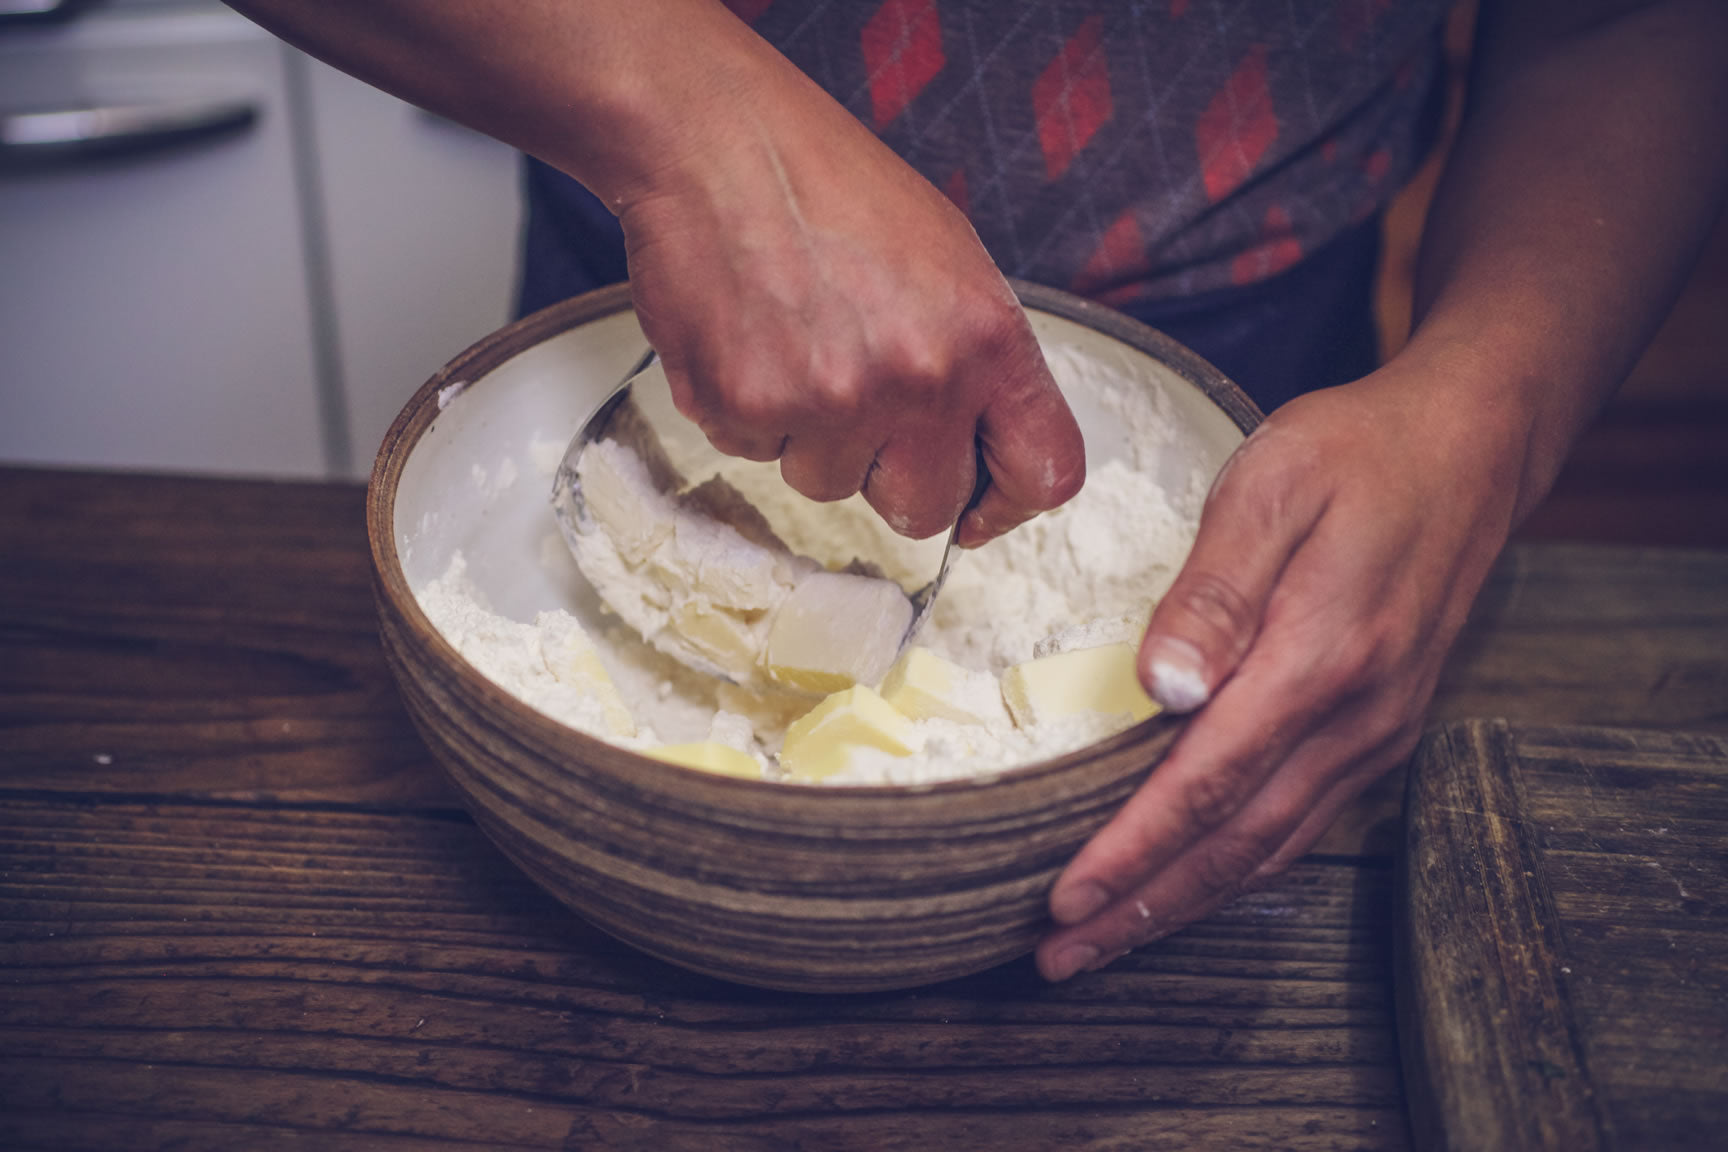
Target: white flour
[1084,574]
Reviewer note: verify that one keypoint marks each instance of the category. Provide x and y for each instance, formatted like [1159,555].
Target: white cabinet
[154,305]
[258,298]
[421,218]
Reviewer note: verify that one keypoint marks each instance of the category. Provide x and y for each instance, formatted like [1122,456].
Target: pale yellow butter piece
[1098,680]
[621,495]
[726,639]
[823,741]
[836,629]
[570,655]
[924,686]
[709,756]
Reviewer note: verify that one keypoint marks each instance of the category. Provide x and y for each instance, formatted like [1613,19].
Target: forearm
[1588,168]
[610,91]
[813,299]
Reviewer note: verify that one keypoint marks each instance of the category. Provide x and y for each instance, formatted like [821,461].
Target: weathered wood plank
[226,973]
[1574,634]
[1490,1050]
[1577,634]
[1563,979]
[167,635]
[1634,831]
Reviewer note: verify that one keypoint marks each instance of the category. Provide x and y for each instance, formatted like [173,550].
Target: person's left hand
[1337,557]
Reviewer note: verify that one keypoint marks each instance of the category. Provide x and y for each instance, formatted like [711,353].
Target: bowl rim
[503,344]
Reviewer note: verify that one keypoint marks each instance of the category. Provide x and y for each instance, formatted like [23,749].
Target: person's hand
[1337,557]
[816,301]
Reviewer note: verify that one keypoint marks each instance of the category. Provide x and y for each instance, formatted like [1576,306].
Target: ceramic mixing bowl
[810,888]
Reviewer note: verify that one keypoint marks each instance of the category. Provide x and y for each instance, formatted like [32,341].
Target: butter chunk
[724,639]
[823,741]
[768,708]
[924,686]
[712,560]
[710,756]
[571,657]
[1100,681]
[836,629]
[621,495]
[1125,628]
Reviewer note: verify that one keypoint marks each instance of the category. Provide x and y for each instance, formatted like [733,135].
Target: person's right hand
[818,302]
[814,300]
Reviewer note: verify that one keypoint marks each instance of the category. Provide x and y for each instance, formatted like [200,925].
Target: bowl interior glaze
[804,888]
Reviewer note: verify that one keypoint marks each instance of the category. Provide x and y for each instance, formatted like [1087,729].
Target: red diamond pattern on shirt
[1071,97]
[1123,247]
[902,46]
[1237,127]
[1197,116]
[1277,252]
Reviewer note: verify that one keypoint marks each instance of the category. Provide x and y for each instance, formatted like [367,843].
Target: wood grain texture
[1487,1029]
[172,635]
[1563,965]
[148,619]
[1584,634]
[1574,634]
[221,976]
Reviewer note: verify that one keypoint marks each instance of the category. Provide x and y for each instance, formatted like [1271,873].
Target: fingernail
[1071,960]
[1178,680]
[1081,902]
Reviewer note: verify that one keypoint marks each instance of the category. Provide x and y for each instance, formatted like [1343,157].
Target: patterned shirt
[1135,150]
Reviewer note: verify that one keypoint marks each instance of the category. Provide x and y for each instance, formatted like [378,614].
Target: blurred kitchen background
[220,256]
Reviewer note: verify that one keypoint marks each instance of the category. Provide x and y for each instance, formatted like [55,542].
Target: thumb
[1033,452]
[1205,624]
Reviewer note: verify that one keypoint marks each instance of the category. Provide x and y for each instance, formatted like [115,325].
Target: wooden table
[238,907]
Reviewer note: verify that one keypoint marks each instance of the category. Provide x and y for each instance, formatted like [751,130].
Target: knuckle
[1225,867]
[995,316]
[1265,475]
[1349,663]
[1391,733]
[1055,476]
[1373,656]
[1218,609]
[741,405]
[1210,798]
[839,396]
[921,370]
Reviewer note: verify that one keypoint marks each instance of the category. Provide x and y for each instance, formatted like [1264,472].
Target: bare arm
[1340,550]
[814,299]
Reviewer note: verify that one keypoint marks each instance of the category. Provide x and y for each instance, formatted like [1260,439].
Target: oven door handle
[70,134]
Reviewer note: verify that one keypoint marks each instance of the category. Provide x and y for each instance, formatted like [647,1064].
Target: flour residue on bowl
[1081,579]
